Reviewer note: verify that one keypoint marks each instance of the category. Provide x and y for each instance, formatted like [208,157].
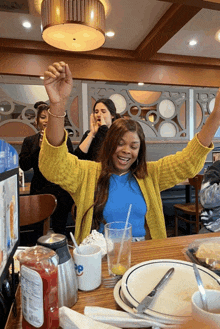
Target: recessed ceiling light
[27,24]
[193,42]
[140,83]
[217,36]
[110,34]
[42,78]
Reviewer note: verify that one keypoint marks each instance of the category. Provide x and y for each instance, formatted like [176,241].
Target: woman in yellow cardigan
[103,190]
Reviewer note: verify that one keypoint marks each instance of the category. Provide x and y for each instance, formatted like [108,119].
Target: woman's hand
[93,125]
[58,82]
[211,125]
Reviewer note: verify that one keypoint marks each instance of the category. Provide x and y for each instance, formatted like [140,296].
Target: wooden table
[170,248]
[25,190]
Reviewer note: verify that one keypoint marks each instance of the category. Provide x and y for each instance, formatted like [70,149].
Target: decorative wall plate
[167,108]
[120,102]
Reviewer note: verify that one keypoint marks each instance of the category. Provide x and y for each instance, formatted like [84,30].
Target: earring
[137,161]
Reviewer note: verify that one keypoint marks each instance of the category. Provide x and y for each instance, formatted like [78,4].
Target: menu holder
[9,207]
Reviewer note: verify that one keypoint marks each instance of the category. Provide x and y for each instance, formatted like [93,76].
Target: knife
[145,303]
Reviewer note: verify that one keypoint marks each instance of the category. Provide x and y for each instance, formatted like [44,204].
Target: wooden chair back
[190,209]
[196,182]
[36,208]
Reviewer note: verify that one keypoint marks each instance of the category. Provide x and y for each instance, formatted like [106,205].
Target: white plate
[174,299]
[126,306]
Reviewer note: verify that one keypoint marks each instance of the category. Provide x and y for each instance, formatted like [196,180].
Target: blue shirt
[123,191]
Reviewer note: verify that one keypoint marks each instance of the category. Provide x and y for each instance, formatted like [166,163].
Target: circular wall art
[211,105]
[167,129]
[120,102]
[167,108]
[6,107]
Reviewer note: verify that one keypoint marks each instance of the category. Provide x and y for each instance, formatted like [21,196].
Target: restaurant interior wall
[169,115]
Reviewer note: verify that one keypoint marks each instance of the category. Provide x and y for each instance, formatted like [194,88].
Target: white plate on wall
[167,129]
[174,299]
[167,108]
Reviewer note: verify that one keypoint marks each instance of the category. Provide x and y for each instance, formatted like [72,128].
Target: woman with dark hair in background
[103,114]
[28,158]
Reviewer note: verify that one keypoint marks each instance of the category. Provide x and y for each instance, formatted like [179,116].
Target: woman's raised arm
[209,129]
[58,83]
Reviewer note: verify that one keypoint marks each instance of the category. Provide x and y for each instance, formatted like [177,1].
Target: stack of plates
[173,302]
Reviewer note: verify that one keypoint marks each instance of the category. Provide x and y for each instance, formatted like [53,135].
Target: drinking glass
[118,241]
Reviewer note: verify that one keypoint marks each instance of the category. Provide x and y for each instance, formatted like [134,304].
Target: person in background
[103,114]
[104,190]
[39,103]
[210,199]
[28,158]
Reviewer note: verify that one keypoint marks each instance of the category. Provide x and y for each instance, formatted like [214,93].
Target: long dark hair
[138,168]
[110,106]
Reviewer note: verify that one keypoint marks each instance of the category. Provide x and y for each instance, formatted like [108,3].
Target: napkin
[70,319]
[122,319]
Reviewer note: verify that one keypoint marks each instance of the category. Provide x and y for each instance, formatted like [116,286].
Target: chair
[190,209]
[36,208]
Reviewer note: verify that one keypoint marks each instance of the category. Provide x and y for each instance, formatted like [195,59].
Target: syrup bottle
[39,288]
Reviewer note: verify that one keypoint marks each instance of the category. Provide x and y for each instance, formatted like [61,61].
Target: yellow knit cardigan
[79,178]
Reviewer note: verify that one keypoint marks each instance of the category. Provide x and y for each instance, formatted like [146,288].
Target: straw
[75,243]
[123,236]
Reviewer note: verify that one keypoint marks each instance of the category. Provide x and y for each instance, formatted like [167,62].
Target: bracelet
[56,116]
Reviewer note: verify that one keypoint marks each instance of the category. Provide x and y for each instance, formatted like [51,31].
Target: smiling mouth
[123,160]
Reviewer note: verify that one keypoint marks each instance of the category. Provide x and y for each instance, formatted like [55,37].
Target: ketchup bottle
[39,288]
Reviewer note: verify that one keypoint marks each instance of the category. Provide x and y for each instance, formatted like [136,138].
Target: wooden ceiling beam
[41,47]
[182,60]
[171,22]
[208,4]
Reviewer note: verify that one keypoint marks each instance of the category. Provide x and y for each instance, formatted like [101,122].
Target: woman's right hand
[93,125]
[58,82]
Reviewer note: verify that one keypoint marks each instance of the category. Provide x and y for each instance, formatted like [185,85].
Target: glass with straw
[118,236]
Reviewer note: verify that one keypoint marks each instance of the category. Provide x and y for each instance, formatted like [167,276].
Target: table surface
[169,248]
[25,190]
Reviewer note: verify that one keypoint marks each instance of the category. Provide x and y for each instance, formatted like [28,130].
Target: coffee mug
[88,266]
[212,316]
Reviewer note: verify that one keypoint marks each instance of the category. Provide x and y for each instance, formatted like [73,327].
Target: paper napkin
[122,319]
[70,319]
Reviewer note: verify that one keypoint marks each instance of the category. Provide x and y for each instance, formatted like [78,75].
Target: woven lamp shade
[74,25]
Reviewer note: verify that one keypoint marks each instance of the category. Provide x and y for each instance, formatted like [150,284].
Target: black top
[28,158]
[95,146]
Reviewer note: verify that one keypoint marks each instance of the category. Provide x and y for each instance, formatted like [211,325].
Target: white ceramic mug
[88,266]
[212,317]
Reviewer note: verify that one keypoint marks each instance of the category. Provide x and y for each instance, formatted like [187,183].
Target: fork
[111,281]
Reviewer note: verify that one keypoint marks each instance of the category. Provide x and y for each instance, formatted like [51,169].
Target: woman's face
[126,152]
[102,110]
[43,119]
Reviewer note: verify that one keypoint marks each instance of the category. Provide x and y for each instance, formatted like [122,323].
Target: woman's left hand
[58,82]
[211,125]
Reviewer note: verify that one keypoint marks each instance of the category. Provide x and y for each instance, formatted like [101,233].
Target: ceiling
[147,28]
